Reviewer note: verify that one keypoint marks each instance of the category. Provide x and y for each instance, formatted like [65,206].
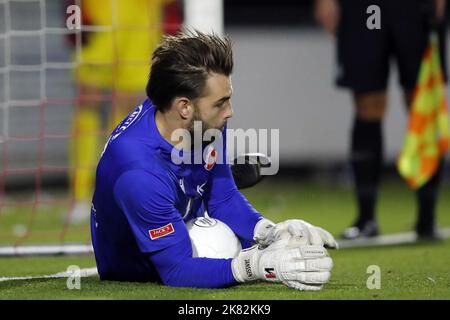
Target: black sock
[366,160]
[426,201]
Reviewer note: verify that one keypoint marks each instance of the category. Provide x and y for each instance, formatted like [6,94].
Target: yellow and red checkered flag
[427,136]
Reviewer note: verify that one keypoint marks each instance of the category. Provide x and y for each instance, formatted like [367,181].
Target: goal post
[204,15]
[39,100]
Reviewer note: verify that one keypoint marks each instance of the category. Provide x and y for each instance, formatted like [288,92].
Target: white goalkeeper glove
[266,232]
[300,267]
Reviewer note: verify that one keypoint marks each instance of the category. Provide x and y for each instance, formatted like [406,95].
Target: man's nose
[230,111]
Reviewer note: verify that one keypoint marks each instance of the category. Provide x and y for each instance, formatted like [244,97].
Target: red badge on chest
[211,158]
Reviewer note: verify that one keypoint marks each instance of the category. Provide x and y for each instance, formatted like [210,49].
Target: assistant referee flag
[427,136]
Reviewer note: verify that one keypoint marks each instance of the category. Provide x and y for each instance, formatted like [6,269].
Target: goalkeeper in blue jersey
[143,197]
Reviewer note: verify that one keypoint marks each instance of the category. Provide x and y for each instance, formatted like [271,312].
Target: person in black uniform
[363,60]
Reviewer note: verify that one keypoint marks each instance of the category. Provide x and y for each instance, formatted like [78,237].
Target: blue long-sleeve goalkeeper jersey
[141,202]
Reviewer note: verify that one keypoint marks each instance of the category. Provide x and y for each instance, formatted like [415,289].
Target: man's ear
[183,106]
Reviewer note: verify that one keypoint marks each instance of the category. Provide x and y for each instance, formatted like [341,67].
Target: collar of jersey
[166,148]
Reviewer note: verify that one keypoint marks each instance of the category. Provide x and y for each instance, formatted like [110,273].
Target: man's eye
[223,103]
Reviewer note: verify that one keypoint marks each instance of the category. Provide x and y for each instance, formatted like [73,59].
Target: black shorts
[364,55]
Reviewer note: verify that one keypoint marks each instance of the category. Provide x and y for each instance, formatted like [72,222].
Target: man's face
[214,108]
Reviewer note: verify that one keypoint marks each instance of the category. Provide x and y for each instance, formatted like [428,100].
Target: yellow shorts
[119,59]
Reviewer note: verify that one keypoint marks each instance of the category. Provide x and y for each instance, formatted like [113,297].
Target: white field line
[86,272]
[387,240]
[46,250]
[78,249]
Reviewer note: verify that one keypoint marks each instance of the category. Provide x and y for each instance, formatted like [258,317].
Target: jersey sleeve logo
[161,232]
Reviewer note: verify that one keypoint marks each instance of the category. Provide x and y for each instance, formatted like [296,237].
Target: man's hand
[327,14]
[266,233]
[440,9]
[302,267]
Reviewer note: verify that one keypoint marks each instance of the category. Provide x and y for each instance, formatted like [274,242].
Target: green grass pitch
[413,271]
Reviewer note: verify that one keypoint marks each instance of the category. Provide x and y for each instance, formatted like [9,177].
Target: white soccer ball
[211,238]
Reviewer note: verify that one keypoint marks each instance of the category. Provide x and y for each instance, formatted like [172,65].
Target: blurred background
[283,79]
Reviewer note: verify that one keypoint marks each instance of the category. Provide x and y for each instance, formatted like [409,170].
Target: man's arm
[224,202]
[177,268]
[227,204]
[148,204]
[440,9]
[327,14]
[301,268]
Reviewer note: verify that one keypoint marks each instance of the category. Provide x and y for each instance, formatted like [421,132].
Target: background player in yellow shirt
[113,64]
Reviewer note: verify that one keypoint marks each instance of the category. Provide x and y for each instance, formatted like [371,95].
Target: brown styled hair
[181,64]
